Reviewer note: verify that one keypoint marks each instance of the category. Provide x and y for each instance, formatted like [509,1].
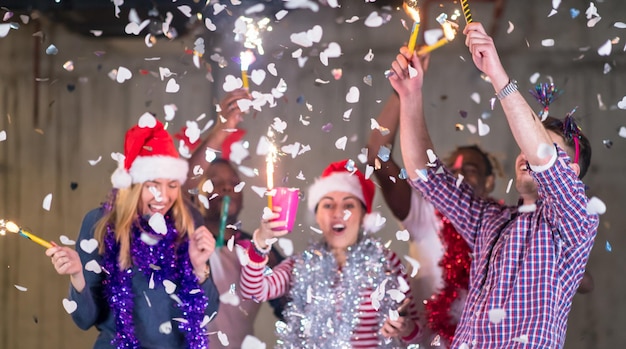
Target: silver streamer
[323,311]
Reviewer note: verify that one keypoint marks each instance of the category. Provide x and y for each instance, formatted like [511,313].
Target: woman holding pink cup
[340,288]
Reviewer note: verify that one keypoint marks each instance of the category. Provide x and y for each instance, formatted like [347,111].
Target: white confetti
[251,342]
[47,201]
[415,265]
[157,223]
[21,288]
[596,206]
[286,245]
[402,235]
[341,143]
[88,245]
[521,339]
[69,306]
[511,27]
[223,338]
[483,129]
[547,42]
[373,20]
[496,315]
[508,186]
[67,241]
[353,95]
[93,266]
[123,74]
[605,49]
[96,161]
[3,136]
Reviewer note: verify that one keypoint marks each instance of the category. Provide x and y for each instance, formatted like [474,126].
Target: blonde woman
[140,271]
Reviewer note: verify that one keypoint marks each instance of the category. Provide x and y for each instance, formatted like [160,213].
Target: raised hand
[483,50]
[67,262]
[201,246]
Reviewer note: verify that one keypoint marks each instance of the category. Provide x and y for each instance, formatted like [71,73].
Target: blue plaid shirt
[527,264]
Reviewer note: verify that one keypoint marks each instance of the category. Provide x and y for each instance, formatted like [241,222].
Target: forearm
[388,118]
[414,137]
[525,125]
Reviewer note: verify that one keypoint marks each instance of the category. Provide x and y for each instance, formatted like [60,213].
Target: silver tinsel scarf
[324,308]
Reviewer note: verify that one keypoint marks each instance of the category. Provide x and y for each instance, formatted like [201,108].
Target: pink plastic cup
[287,199]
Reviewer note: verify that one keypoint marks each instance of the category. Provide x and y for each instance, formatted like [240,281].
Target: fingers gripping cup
[287,199]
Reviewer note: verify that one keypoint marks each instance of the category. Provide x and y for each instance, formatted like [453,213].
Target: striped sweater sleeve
[257,285]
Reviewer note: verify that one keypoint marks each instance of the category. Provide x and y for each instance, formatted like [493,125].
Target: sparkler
[411,8]
[466,11]
[14,228]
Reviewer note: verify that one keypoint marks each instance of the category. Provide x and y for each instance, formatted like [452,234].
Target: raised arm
[229,117]
[526,127]
[397,194]
[414,137]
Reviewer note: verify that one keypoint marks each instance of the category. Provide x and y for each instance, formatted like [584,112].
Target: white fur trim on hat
[147,168]
[338,181]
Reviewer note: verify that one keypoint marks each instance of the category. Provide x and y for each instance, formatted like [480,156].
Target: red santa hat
[343,176]
[149,153]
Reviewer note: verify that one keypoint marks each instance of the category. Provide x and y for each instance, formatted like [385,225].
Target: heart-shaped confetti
[209,24]
[123,74]
[47,201]
[402,235]
[166,327]
[69,306]
[88,246]
[147,120]
[496,315]
[93,266]
[217,8]
[596,206]
[622,132]
[157,223]
[172,86]
[67,241]
[257,76]
[475,97]
[169,286]
[432,157]
[622,104]
[483,129]
[286,245]
[373,20]
[230,298]
[396,295]
[232,83]
[511,27]
[3,136]
[353,95]
[341,143]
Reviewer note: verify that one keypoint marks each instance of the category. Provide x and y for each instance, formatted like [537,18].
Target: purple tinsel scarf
[174,265]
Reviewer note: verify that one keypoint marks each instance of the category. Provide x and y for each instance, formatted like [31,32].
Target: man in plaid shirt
[528,260]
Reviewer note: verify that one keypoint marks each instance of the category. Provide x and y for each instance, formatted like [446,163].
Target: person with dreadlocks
[529,259]
[140,271]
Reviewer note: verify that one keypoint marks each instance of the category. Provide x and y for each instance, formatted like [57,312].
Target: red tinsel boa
[455,264]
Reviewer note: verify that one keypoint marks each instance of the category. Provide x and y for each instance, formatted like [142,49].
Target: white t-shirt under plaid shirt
[526,265]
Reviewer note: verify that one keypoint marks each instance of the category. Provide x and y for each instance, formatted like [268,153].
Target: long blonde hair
[124,213]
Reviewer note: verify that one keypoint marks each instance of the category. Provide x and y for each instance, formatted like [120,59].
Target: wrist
[260,247]
[203,273]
